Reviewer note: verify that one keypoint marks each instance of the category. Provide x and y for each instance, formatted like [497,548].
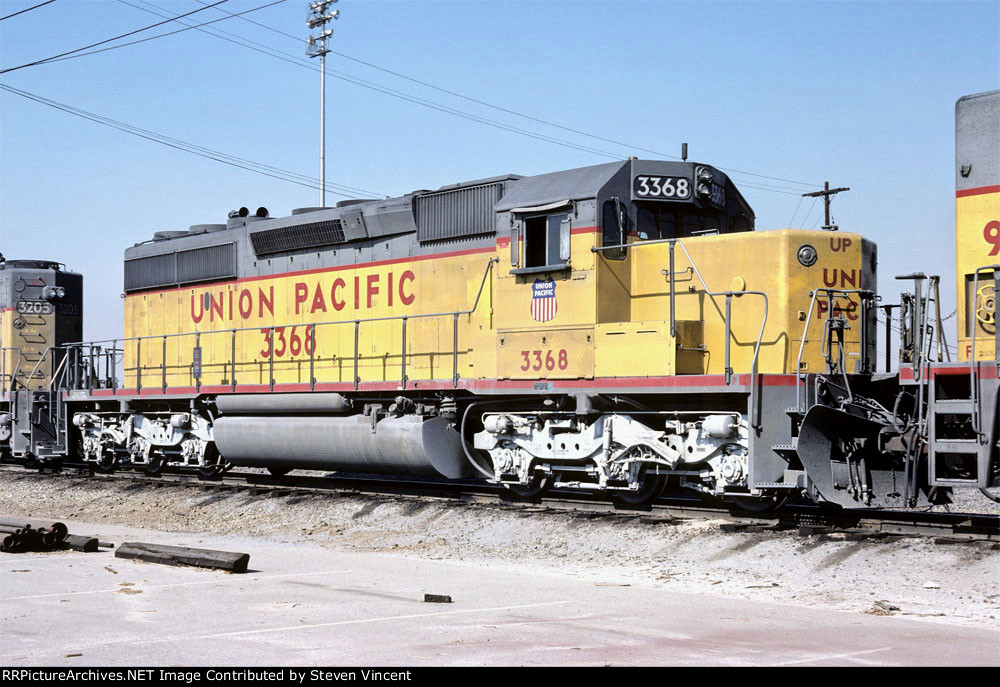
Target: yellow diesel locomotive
[614,328]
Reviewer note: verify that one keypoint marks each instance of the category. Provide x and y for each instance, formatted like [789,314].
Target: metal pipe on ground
[57,528]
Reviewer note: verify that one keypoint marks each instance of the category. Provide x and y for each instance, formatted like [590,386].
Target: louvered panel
[287,239]
[206,264]
[456,213]
[155,270]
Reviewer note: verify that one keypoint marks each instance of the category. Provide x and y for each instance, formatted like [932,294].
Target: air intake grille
[210,263]
[287,239]
[145,273]
[206,264]
[457,213]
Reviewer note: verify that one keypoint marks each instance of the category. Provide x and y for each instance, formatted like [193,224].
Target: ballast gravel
[907,577]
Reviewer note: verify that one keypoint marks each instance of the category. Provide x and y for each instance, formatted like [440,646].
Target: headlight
[807,255]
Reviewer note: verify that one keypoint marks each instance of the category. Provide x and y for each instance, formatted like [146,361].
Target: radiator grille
[145,273]
[287,239]
[457,213]
[206,264]
[210,263]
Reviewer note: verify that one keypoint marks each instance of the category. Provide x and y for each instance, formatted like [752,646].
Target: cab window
[614,228]
[658,222]
[545,244]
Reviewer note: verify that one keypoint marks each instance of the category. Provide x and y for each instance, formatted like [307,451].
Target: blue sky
[859,93]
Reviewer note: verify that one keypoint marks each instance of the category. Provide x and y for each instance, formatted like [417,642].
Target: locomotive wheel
[539,485]
[108,463]
[155,465]
[651,488]
[209,472]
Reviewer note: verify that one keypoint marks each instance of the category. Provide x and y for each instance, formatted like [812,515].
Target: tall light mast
[316,47]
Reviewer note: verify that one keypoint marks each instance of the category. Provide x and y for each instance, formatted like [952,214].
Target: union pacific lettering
[843,279]
[323,295]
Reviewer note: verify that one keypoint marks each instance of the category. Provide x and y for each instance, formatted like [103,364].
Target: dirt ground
[906,577]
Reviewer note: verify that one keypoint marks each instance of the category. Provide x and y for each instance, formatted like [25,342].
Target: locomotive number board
[25,307]
[650,187]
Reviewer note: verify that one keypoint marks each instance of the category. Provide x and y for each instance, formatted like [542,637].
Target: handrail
[271,328]
[58,372]
[728,294]
[805,331]
[40,361]
[3,366]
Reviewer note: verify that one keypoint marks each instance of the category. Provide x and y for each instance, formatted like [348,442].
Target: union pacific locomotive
[615,328]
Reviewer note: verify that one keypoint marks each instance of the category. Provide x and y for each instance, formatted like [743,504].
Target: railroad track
[807,520]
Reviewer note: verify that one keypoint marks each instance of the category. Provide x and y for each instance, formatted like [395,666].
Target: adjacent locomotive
[41,311]
[613,328]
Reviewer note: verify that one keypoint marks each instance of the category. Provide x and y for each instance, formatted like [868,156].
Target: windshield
[658,222]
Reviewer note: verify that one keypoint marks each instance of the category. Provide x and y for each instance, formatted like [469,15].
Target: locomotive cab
[677,200]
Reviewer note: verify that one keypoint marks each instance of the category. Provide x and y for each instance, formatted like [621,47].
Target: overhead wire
[232,160]
[110,40]
[272,52]
[28,9]
[79,52]
[805,219]
[510,111]
[364,83]
[169,33]
[791,222]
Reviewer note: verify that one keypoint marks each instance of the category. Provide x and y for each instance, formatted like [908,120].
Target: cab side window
[614,228]
[545,244]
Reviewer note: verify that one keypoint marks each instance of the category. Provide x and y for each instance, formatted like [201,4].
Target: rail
[831,295]
[96,353]
[727,364]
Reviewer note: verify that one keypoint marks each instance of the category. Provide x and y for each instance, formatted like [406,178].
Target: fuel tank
[406,445]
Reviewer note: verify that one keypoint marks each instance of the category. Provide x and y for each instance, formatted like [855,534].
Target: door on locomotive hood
[545,303]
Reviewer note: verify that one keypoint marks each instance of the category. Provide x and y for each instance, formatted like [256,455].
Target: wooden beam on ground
[183,555]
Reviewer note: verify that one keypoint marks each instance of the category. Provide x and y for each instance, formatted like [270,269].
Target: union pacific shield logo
[543,300]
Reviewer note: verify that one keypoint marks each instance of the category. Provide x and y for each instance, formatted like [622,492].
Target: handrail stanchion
[312,358]
[673,319]
[138,366]
[163,366]
[729,335]
[197,370]
[114,369]
[357,380]
[232,360]
[270,350]
[454,368]
[403,355]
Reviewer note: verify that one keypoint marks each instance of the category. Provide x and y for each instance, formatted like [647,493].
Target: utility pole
[316,47]
[826,193]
